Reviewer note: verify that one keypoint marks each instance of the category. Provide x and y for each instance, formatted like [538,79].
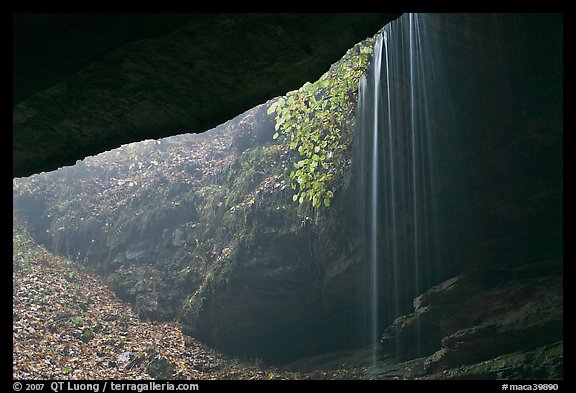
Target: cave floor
[68,325]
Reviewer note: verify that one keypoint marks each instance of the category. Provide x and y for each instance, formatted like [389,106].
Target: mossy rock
[87,335]
[543,363]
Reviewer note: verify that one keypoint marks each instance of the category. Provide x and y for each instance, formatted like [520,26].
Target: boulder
[479,316]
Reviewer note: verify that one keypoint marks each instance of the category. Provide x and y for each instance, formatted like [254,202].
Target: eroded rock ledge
[164,81]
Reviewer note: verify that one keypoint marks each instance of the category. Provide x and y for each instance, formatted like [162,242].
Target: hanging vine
[315,121]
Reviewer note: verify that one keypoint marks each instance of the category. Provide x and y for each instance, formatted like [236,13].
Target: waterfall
[438,169]
[394,149]
[374,197]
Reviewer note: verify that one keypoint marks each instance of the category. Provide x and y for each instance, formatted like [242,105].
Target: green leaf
[327,202]
[294,197]
[272,108]
[308,87]
[275,136]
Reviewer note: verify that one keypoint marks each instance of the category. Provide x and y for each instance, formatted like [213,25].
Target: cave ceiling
[87,83]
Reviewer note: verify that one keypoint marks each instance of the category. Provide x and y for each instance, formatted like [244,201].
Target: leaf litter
[68,325]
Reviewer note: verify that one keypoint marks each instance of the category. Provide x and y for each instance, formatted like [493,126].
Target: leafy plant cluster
[317,122]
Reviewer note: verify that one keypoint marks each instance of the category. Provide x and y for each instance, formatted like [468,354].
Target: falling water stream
[436,110]
[397,170]
[374,201]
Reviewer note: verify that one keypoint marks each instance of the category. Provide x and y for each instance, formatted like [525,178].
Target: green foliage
[160,368]
[87,335]
[316,121]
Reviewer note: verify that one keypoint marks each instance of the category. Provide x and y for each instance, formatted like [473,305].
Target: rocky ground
[68,325]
